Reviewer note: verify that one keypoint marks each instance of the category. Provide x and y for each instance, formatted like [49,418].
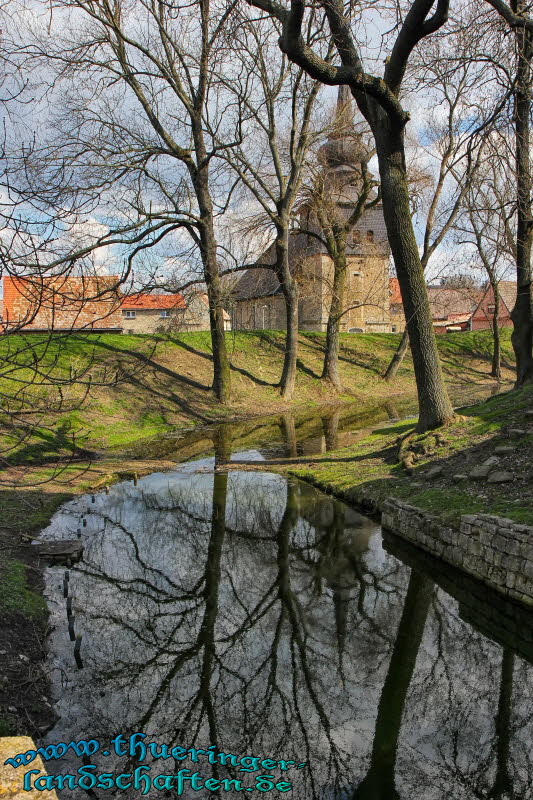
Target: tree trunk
[289,287]
[396,360]
[496,370]
[503,784]
[208,248]
[379,783]
[330,371]
[435,408]
[522,313]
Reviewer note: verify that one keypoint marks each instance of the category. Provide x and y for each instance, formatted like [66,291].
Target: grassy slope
[370,470]
[143,385]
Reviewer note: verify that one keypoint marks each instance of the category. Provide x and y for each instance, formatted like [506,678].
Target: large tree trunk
[330,371]
[522,313]
[289,287]
[221,369]
[395,362]
[435,408]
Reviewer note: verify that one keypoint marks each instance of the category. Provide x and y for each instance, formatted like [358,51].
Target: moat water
[255,615]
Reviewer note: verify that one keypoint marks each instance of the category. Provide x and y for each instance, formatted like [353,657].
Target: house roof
[452,320]
[445,302]
[152,302]
[507,291]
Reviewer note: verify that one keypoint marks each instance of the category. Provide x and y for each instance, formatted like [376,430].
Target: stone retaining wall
[495,550]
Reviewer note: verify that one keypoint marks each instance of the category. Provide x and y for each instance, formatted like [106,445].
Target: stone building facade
[258,301]
[166,313]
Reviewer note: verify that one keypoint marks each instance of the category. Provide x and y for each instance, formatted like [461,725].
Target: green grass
[15,594]
[131,387]
[369,471]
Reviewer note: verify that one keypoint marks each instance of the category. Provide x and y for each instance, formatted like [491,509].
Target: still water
[257,614]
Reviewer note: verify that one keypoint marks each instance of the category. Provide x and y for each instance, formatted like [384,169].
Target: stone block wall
[492,549]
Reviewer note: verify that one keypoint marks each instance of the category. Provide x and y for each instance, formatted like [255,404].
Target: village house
[160,313]
[458,309]
[258,301]
[95,304]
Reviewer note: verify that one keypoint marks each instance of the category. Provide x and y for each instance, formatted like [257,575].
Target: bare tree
[323,201]
[378,100]
[449,75]
[517,15]
[272,159]
[487,223]
[136,122]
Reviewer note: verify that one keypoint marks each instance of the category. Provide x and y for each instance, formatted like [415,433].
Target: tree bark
[221,370]
[330,371]
[289,288]
[522,313]
[435,408]
[496,370]
[397,358]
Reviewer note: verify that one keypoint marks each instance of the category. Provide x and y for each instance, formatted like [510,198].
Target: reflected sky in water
[257,614]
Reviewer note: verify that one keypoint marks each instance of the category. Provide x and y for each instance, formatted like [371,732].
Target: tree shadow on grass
[233,367]
[263,336]
[149,362]
[372,363]
[50,443]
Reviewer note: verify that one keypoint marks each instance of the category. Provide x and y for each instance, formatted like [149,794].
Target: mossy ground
[372,469]
[16,595]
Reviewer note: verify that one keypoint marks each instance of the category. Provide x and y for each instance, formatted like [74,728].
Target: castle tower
[344,151]
[341,157]
[259,300]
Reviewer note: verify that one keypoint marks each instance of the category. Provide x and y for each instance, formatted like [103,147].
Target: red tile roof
[152,301]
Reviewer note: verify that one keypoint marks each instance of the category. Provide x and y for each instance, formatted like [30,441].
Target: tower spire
[343,149]
[344,111]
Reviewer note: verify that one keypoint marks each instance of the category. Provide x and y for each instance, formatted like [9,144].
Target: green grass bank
[103,392]
[393,461]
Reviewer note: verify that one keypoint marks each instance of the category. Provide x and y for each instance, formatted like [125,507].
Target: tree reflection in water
[241,610]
